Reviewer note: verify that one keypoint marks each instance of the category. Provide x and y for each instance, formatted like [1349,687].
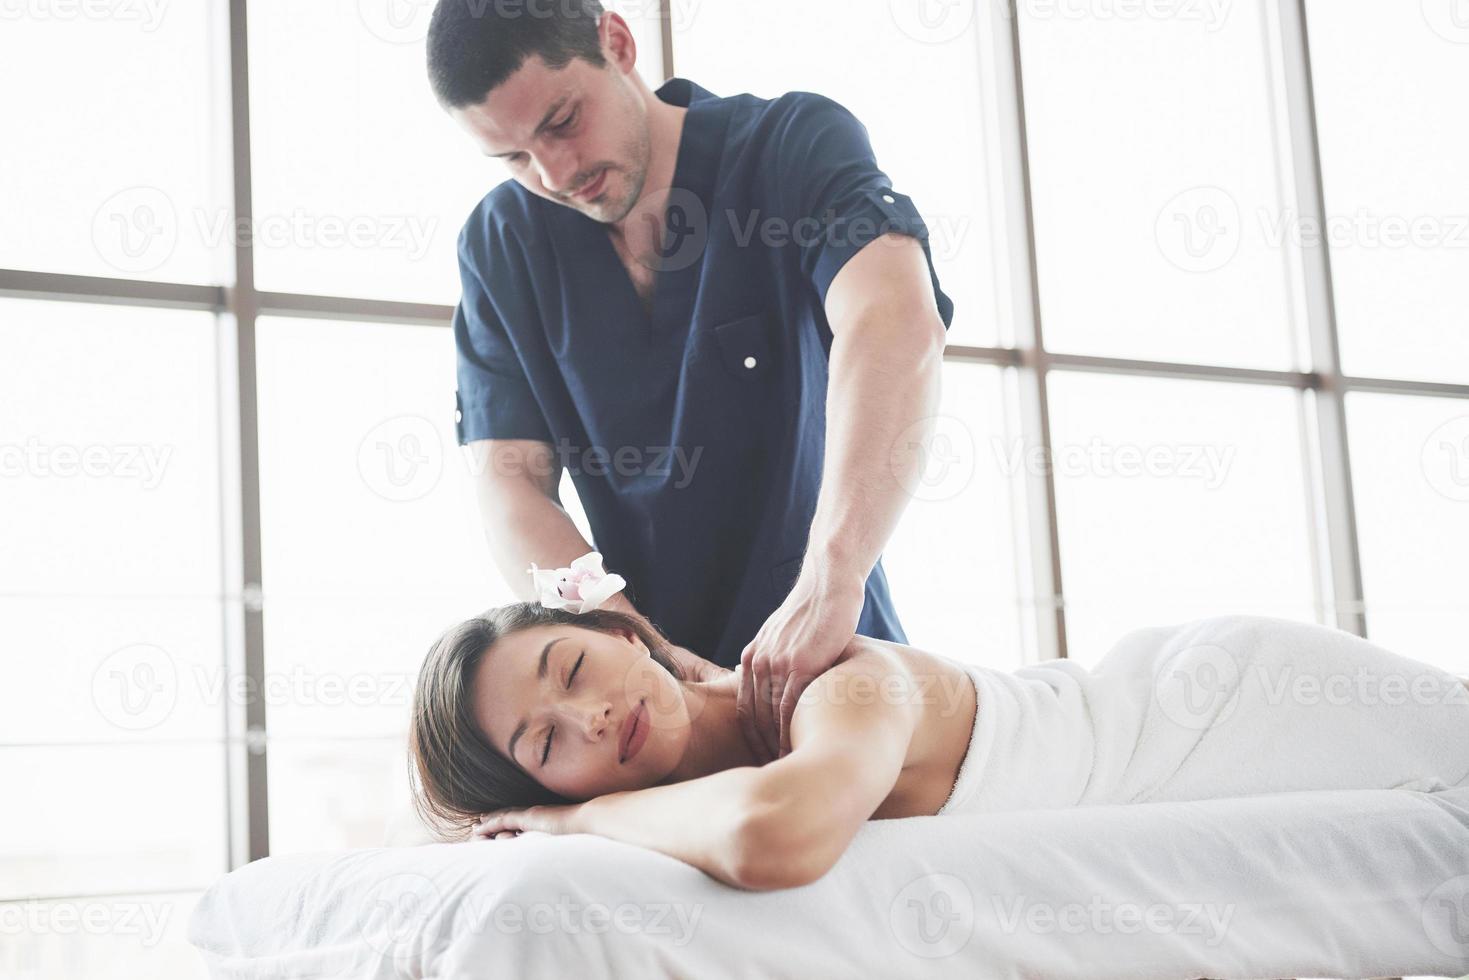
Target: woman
[530,717]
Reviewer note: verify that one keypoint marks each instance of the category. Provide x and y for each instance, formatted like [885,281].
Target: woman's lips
[634,732]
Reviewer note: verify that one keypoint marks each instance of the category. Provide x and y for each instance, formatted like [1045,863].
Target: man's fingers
[778,685]
[745,706]
[764,710]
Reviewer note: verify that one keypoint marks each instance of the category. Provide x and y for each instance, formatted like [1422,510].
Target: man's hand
[800,640]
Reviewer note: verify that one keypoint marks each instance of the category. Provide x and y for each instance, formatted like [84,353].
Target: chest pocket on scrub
[746,348]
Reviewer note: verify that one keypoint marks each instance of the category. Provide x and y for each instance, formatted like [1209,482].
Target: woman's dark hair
[455,772]
[474,45]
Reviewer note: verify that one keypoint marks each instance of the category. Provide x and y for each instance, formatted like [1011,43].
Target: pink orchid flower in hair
[581,588]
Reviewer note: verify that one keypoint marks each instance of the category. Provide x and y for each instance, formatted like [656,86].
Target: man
[717,313]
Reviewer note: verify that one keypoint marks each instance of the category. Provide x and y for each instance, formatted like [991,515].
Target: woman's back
[946,697]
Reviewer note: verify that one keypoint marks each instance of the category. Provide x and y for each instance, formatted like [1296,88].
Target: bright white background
[1164,231]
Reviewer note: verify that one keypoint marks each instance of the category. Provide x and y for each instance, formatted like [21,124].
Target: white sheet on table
[1346,884]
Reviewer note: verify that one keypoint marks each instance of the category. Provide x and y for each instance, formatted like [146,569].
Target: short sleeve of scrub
[494,399]
[835,196]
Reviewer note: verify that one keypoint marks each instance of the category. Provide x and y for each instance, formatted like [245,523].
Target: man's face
[576,135]
[574,715]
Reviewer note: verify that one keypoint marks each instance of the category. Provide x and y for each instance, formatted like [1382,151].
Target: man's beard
[637,178]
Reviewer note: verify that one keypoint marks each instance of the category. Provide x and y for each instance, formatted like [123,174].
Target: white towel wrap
[1221,707]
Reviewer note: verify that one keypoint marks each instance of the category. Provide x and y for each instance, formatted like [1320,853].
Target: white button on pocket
[747,351]
[890,199]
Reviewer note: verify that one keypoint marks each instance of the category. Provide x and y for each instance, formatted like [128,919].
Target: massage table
[1324,883]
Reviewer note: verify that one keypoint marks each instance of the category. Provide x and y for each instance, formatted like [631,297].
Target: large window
[1209,356]
[112,714]
[1410,459]
[360,186]
[1153,477]
[1397,204]
[371,548]
[1151,197]
[112,137]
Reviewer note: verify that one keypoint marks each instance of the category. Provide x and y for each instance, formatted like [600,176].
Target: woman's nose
[593,719]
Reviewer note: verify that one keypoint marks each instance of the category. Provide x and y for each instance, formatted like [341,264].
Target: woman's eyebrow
[541,668]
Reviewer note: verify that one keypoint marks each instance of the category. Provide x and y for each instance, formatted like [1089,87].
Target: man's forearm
[522,524]
[882,394]
[525,525]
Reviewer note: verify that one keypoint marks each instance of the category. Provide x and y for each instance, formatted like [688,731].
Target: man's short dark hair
[475,45]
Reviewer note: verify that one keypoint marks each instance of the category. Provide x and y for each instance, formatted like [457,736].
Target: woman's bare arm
[704,822]
[850,736]
[786,823]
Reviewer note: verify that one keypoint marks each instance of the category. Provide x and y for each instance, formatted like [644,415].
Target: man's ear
[618,44]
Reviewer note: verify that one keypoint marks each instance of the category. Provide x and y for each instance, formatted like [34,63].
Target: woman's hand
[511,822]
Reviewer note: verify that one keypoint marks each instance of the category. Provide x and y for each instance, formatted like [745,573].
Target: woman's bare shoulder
[870,671]
[909,662]
[865,673]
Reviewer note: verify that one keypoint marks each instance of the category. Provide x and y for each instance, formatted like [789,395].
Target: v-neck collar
[696,167]
[702,142]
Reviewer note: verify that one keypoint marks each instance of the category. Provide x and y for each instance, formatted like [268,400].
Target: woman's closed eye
[546,752]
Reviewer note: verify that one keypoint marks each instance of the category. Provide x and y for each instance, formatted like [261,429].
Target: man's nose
[558,170]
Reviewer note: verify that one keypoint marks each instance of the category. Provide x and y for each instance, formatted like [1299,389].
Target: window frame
[237,307]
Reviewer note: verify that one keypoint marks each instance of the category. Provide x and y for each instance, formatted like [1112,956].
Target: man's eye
[566,123]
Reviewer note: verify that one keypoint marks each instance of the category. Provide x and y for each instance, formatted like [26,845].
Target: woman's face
[565,727]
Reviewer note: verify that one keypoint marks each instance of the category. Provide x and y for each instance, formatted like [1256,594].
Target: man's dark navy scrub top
[695,437]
